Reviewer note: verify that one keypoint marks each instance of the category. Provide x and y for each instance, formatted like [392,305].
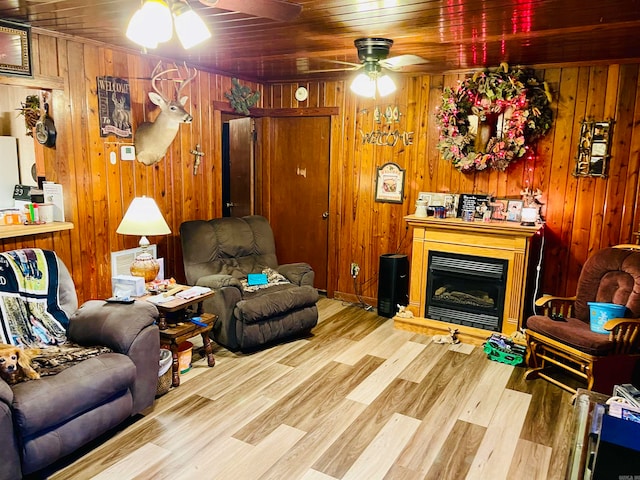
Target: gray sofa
[43,420]
[219,254]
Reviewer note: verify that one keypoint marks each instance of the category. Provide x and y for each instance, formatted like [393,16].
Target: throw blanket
[53,360]
[273,278]
[30,314]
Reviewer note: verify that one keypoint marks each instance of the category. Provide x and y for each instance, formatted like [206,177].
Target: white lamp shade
[143,218]
[190,28]
[386,85]
[364,85]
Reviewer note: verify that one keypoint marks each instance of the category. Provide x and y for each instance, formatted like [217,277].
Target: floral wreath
[516,94]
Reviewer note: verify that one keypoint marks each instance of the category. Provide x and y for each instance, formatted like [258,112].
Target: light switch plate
[127,152]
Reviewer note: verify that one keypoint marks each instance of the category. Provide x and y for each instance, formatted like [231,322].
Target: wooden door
[299,191]
[241,167]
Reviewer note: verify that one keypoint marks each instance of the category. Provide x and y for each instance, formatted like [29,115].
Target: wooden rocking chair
[560,341]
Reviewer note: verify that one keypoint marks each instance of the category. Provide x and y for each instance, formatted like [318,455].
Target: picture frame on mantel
[15,49]
[390,183]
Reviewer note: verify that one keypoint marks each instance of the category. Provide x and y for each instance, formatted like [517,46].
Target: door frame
[262,181]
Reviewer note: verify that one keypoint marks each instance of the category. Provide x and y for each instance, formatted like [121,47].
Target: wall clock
[301,94]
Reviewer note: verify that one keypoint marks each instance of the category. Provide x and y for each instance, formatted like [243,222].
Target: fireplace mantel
[503,240]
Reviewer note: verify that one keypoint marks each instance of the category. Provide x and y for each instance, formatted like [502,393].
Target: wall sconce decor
[593,149]
[15,49]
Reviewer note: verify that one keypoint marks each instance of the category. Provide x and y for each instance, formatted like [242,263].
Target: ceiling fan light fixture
[190,27]
[364,85]
[385,85]
[140,31]
[151,24]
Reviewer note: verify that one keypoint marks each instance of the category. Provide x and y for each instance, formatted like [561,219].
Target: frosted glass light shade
[190,28]
[386,85]
[150,25]
[364,85]
[138,31]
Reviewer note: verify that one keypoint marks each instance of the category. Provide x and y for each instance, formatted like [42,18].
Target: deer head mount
[152,139]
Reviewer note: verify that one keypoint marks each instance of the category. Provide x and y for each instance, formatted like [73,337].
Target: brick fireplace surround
[500,240]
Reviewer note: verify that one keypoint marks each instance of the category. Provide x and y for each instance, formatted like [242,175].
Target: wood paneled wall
[98,193]
[583,214]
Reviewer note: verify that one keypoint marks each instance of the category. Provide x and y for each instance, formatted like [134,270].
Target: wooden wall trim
[224,107]
[46,82]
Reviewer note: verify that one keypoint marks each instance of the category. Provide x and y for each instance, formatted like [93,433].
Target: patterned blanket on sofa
[30,313]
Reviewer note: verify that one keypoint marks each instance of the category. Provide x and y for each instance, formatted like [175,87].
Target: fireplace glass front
[466,290]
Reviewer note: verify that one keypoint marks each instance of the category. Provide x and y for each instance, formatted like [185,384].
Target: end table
[174,335]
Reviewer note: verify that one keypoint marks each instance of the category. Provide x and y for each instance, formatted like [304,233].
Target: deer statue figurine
[152,139]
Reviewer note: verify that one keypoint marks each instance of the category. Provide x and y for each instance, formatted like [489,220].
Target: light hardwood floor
[357,400]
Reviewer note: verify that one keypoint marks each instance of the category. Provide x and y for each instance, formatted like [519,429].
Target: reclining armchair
[46,419]
[220,254]
[560,342]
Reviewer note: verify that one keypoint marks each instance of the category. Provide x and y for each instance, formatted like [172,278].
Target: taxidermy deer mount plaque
[152,139]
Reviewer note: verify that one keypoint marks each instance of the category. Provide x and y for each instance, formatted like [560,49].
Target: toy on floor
[452,337]
[15,363]
[504,350]
[403,312]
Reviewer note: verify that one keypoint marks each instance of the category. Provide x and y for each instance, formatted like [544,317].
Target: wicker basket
[165,374]
[164,383]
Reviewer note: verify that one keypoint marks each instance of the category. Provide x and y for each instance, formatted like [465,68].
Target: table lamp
[144,218]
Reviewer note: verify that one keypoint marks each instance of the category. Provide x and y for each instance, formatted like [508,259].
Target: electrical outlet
[355,269]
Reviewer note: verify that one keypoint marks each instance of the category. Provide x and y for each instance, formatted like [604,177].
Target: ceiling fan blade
[278,10]
[402,61]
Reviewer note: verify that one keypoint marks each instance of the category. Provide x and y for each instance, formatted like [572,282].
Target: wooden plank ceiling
[449,34]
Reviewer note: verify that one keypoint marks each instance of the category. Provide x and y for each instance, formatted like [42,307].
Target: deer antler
[184,82]
[156,74]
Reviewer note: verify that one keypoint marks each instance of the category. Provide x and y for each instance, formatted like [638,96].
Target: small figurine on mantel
[532,199]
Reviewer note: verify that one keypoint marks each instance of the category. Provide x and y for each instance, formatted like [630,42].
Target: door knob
[325,215]
[231,204]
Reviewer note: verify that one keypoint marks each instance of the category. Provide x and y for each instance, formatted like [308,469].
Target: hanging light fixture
[154,22]
[190,28]
[372,80]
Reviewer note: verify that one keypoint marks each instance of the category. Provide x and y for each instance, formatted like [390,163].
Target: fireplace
[468,275]
[466,290]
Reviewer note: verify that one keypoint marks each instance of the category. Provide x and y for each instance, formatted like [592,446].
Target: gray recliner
[219,254]
[44,420]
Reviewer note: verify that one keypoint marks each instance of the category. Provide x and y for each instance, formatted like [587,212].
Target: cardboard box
[127,286]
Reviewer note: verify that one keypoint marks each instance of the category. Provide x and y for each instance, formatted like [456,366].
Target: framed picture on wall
[15,49]
[390,183]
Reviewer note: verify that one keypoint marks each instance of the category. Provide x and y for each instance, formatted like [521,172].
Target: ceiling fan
[373,54]
[376,51]
[278,10]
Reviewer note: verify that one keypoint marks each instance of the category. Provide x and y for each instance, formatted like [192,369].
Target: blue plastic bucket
[600,313]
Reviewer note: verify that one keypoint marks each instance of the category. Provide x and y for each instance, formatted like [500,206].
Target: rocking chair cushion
[572,332]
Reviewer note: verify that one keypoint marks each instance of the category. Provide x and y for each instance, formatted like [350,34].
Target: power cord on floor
[360,303]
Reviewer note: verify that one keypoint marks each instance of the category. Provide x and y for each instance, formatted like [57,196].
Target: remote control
[124,300]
